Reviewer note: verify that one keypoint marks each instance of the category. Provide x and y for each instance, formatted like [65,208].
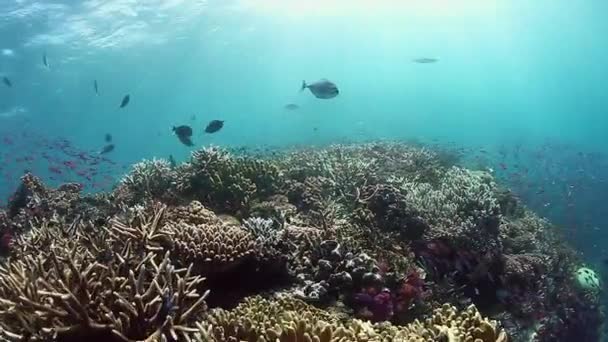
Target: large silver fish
[322,89]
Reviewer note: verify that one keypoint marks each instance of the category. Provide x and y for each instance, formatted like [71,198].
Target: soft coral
[411,289]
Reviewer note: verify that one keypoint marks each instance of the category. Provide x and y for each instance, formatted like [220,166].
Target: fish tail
[304,86]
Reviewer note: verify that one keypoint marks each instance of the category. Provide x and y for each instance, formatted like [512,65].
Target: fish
[96,87]
[7,81]
[186,141]
[292,106]
[45,60]
[108,137]
[184,134]
[172,161]
[322,89]
[214,126]
[107,149]
[183,131]
[425,60]
[193,117]
[125,101]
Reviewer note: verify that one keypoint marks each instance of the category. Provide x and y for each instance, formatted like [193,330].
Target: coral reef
[225,182]
[286,319]
[148,180]
[70,296]
[369,242]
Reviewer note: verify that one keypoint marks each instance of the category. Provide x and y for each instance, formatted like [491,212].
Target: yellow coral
[211,248]
[194,213]
[448,324]
[291,320]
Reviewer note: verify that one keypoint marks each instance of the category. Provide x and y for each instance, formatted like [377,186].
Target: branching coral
[71,297]
[33,202]
[461,206]
[148,180]
[525,234]
[225,182]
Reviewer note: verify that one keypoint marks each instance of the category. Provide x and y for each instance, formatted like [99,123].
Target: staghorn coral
[68,296]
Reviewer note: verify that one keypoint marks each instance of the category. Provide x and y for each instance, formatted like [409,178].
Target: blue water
[519,86]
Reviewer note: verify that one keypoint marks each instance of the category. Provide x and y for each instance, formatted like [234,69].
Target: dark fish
[292,106]
[193,118]
[95,87]
[183,131]
[107,149]
[184,134]
[125,101]
[108,137]
[322,89]
[45,60]
[186,141]
[214,126]
[425,60]
[172,161]
[7,81]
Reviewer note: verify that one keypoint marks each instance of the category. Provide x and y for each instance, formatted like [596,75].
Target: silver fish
[292,106]
[322,89]
[425,60]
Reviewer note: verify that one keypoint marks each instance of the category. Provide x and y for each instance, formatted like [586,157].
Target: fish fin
[304,86]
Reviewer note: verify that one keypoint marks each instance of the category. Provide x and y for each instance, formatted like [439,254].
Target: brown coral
[71,297]
[290,320]
[211,248]
[194,213]
[286,319]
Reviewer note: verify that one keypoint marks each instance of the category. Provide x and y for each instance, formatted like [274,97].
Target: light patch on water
[31,10]
[115,23]
[8,52]
[13,112]
[367,8]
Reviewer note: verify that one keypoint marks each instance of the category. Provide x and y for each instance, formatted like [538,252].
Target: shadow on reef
[380,241]
[247,279]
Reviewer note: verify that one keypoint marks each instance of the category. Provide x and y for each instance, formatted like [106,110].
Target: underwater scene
[303,170]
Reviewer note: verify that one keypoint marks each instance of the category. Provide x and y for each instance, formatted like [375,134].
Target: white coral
[460,199]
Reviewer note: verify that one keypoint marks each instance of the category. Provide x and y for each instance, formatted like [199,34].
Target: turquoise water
[511,73]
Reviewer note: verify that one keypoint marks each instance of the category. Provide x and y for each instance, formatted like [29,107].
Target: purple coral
[375,307]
